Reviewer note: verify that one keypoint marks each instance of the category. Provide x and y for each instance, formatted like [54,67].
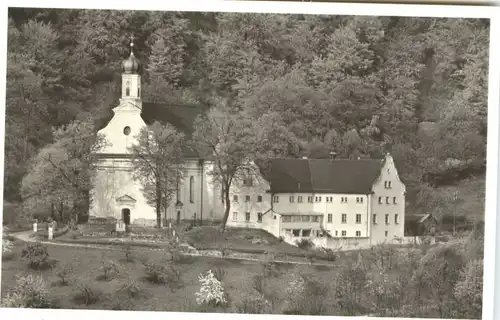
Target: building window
[336,233]
[374,218]
[235,198]
[305,218]
[126,130]
[276,199]
[344,217]
[343,199]
[330,218]
[394,200]
[248,182]
[127,91]
[286,218]
[296,218]
[259,216]
[292,199]
[247,216]
[315,218]
[396,218]
[386,219]
[344,233]
[191,189]
[318,199]
[299,199]
[358,218]
[247,198]
[306,232]
[386,233]
[380,200]
[296,232]
[309,199]
[329,199]
[358,233]
[359,199]
[138,91]
[259,198]
[387,200]
[235,216]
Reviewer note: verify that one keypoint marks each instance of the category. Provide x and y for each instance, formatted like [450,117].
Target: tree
[469,289]
[62,172]
[157,163]
[227,138]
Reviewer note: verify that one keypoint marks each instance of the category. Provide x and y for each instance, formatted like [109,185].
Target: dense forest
[358,86]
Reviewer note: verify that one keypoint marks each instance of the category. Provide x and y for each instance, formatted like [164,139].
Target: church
[115,193]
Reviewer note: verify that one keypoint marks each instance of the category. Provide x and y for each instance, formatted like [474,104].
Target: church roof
[324,175]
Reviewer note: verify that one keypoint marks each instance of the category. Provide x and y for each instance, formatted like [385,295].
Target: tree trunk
[228,208]
[158,204]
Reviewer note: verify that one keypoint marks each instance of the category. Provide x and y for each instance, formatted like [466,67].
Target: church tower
[131,79]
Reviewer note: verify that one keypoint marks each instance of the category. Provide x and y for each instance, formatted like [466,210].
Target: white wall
[336,207]
[397,189]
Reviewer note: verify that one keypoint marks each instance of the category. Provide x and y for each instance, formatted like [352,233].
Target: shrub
[127,250]
[129,289]
[211,291]
[7,246]
[305,296]
[163,274]
[30,292]
[305,244]
[37,255]
[64,271]
[254,303]
[108,269]
[86,294]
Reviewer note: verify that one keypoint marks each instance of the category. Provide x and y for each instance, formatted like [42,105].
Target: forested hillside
[359,86]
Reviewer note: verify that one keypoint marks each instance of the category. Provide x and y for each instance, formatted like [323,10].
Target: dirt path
[25,236]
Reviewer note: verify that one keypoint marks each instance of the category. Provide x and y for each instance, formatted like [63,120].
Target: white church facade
[332,202]
[115,193]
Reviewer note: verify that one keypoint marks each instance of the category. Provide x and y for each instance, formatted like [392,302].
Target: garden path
[25,236]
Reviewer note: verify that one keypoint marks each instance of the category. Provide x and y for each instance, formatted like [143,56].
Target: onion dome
[131,65]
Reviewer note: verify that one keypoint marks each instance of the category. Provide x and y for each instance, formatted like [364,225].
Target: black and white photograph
[270,163]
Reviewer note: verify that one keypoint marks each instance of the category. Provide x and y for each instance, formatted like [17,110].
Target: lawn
[87,262]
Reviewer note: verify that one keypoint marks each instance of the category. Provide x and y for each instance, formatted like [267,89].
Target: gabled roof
[126,197]
[324,175]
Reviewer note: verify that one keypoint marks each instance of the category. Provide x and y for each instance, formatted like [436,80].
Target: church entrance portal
[126,216]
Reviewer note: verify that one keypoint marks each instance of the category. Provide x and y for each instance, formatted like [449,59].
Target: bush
[254,303]
[108,268]
[127,250]
[30,292]
[305,244]
[130,289]
[163,274]
[37,255]
[86,294]
[211,292]
[64,271]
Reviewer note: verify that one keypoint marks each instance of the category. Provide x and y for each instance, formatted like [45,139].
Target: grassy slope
[157,297]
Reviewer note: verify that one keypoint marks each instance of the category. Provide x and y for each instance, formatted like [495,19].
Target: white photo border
[492,243]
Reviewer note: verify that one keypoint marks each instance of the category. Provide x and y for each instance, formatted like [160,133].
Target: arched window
[191,189]
[138,91]
[127,91]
